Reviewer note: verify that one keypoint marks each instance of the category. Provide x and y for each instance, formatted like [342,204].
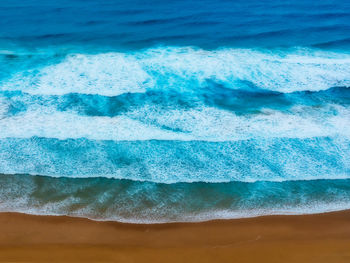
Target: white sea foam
[277,159]
[63,125]
[3,109]
[112,74]
[280,71]
[208,124]
[105,74]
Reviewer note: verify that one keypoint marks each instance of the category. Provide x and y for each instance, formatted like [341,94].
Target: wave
[179,115]
[185,69]
[215,95]
[146,202]
[203,124]
[272,159]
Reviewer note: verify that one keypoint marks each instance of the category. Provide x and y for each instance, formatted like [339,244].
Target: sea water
[163,111]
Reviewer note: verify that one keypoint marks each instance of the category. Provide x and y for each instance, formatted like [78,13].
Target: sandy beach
[304,238]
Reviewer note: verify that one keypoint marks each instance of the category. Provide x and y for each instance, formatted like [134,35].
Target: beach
[281,238]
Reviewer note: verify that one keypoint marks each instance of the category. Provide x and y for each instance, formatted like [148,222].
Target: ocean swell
[185,69]
[273,159]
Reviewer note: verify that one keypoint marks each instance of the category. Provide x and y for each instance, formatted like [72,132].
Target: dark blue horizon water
[159,111]
[205,24]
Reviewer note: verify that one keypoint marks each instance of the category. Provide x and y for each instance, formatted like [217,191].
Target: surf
[184,69]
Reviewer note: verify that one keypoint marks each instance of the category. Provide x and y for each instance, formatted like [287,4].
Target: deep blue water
[174,110]
[202,23]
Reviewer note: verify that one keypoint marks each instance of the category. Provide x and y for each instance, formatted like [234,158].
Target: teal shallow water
[148,202]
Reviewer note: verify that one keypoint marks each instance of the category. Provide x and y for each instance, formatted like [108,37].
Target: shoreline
[198,220]
[277,238]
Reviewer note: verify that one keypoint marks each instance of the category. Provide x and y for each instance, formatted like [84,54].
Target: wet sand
[305,238]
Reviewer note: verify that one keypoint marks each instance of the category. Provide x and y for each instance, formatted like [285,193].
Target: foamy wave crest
[272,159]
[106,74]
[112,74]
[206,124]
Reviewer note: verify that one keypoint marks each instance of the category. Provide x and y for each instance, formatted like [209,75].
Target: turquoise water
[174,111]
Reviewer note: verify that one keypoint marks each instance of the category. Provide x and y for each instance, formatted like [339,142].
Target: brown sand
[307,238]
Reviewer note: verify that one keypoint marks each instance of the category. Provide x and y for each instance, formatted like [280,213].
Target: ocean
[174,111]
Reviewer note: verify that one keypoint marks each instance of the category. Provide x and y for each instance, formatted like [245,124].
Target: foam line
[204,124]
[124,200]
[273,159]
[186,68]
